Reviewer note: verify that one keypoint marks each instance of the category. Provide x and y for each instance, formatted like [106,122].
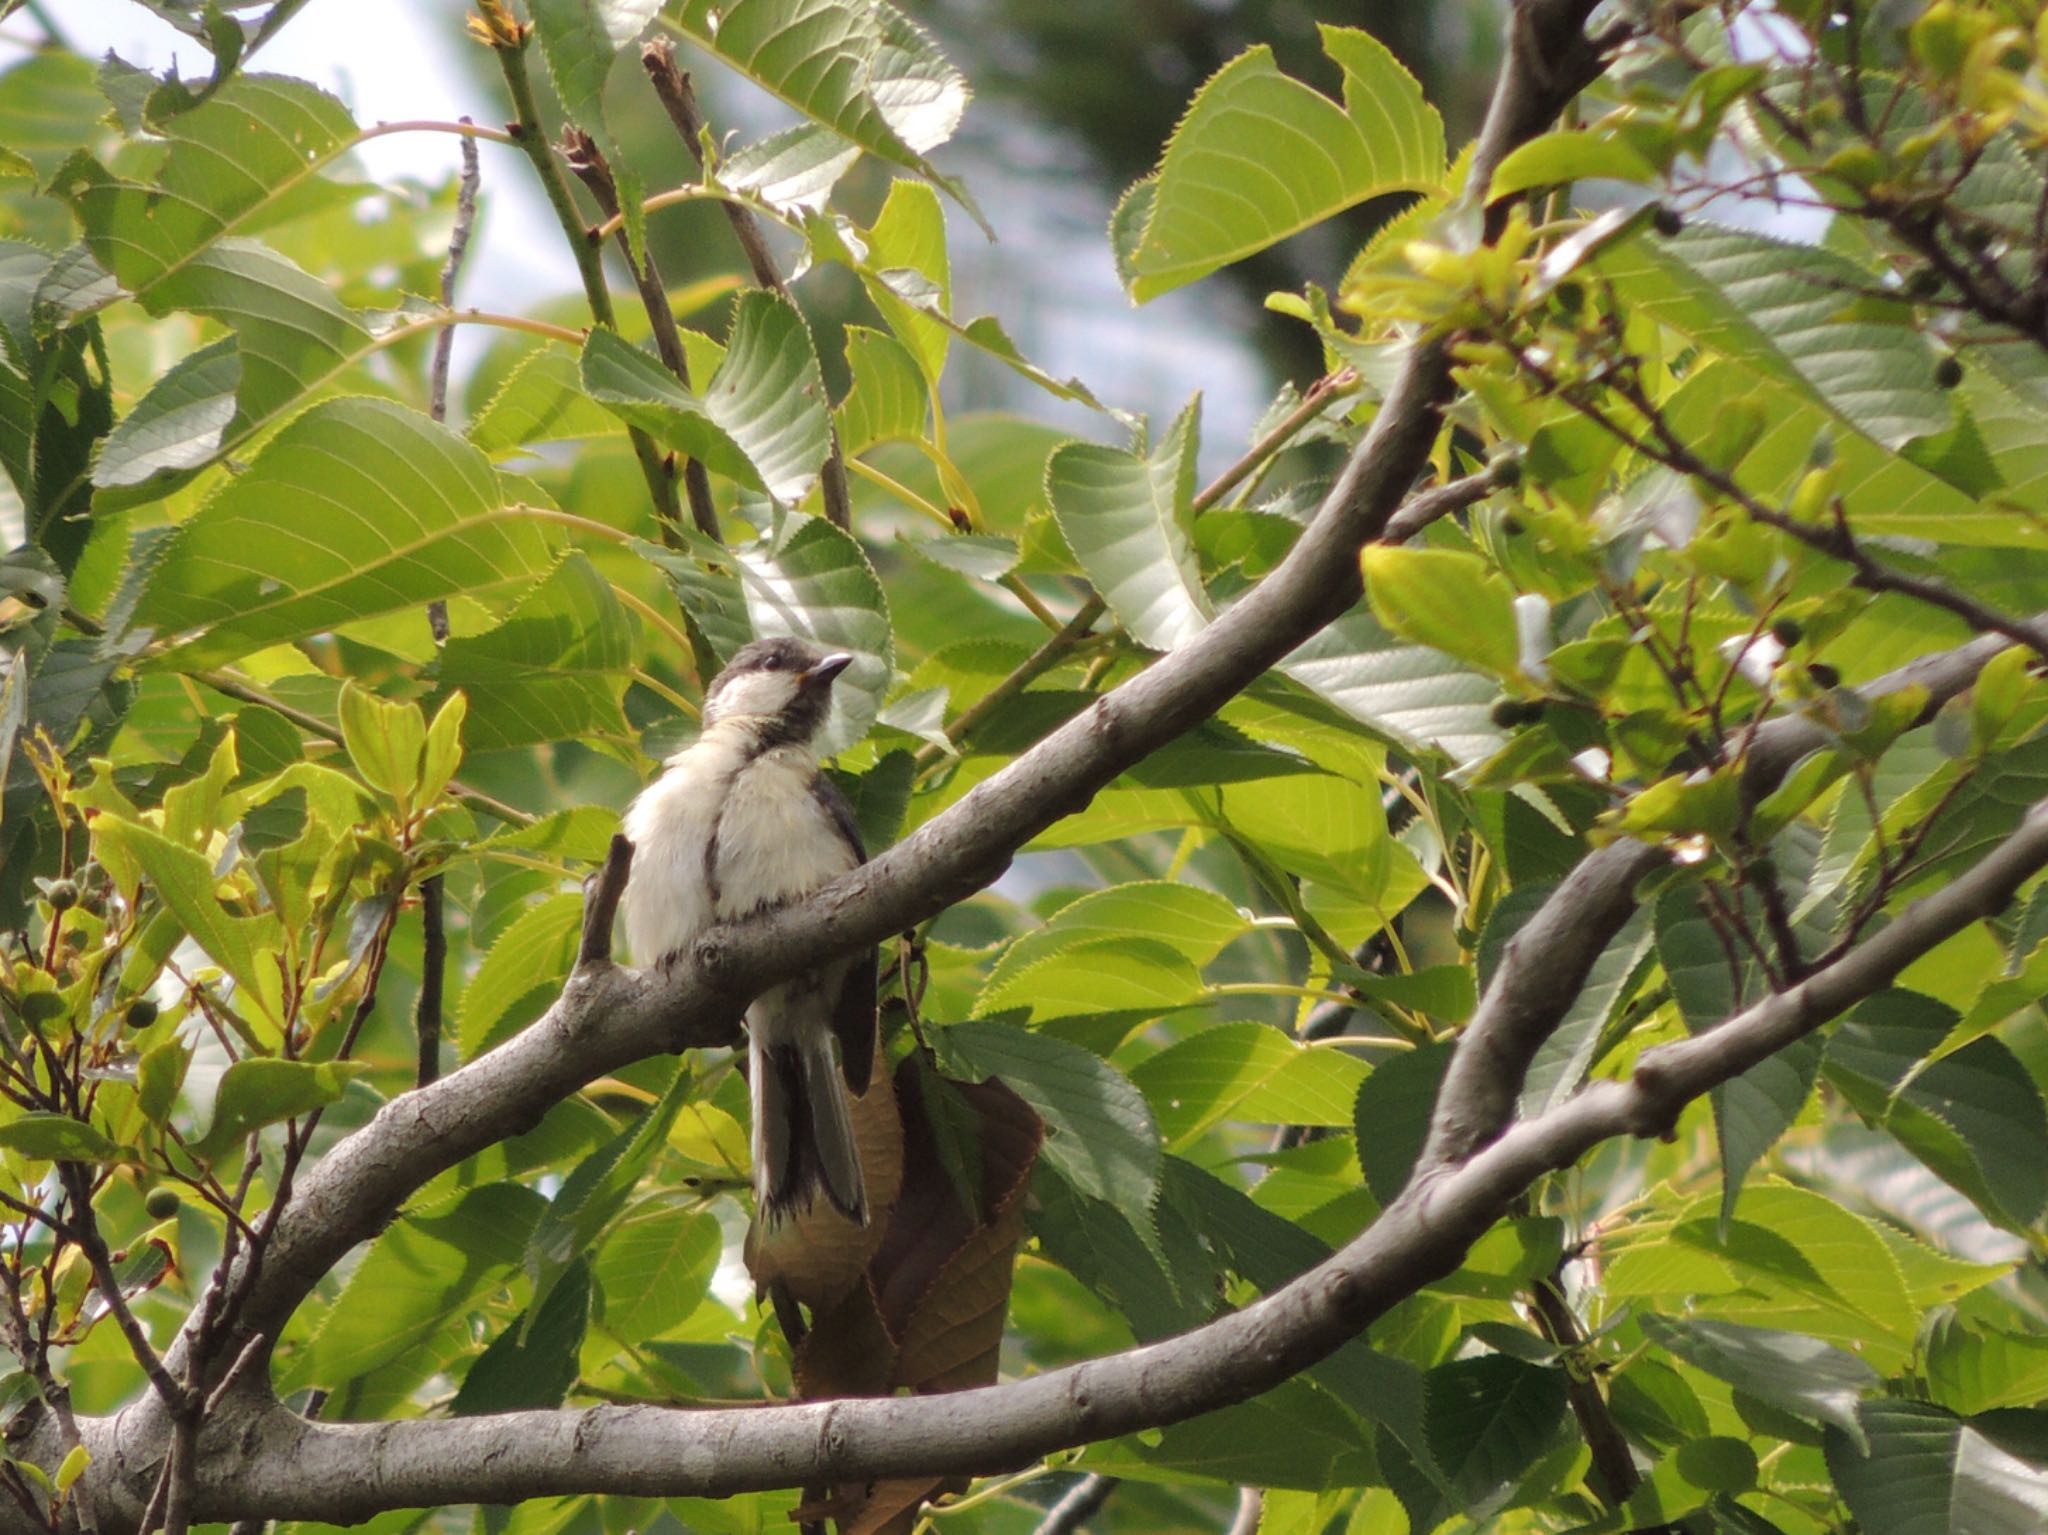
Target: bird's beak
[821,675]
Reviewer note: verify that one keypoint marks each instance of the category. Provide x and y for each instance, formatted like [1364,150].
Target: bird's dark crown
[784,653]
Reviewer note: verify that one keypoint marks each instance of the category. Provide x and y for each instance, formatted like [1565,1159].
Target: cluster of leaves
[1729,478]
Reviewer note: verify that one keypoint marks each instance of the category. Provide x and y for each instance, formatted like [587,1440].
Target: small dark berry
[62,894]
[1667,221]
[1975,237]
[1948,373]
[1571,297]
[161,1203]
[1507,469]
[1787,632]
[1924,283]
[141,1013]
[1824,675]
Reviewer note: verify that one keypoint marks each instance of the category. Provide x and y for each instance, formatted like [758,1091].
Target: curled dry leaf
[929,1314]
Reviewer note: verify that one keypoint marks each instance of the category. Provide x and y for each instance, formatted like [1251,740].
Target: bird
[740,822]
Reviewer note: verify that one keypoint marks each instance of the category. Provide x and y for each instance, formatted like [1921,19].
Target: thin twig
[1082,1502]
[94,1246]
[588,162]
[679,100]
[527,132]
[426,1013]
[312,724]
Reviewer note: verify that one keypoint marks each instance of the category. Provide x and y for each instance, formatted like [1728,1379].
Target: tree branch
[679,100]
[527,132]
[288,1467]
[1080,1503]
[606,1017]
[591,168]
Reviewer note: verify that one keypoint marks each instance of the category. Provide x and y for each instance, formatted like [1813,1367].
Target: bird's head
[779,688]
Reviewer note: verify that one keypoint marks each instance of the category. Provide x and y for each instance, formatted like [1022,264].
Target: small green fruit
[141,1014]
[162,1203]
[62,894]
[1948,373]
[1787,632]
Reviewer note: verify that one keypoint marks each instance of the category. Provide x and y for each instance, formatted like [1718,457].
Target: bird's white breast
[773,840]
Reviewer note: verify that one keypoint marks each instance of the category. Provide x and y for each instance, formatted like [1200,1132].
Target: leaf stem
[463,126]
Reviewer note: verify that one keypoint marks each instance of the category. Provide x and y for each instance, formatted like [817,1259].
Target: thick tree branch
[1546,962]
[607,1016]
[285,1466]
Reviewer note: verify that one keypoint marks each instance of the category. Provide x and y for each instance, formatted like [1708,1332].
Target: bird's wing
[839,812]
[853,1012]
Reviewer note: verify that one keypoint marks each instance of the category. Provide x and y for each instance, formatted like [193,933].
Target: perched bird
[739,822]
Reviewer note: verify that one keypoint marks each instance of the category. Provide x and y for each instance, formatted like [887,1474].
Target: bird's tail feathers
[803,1133]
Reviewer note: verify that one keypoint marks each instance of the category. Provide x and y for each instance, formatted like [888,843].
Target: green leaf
[593,1195]
[158,1076]
[1129,522]
[388,510]
[762,420]
[655,1269]
[1975,1116]
[533,1362]
[49,107]
[1248,1072]
[541,401]
[430,1266]
[1412,696]
[1924,1471]
[1391,1116]
[1561,1061]
[1106,975]
[231,161]
[533,954]
[1788,311]
[553,670]
[256,1091]
[793,171]
[1194,922]
[866,72]
[1488,1418]
[385,740]
[1447,600]
[1260,156]
[442,754]
[805,578]
[1567,155]
[1971,1369]
[178,425]
[1099,1133]
[184,881]
[292,339]
[1790,1371]
[889,401]
[56,1137]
